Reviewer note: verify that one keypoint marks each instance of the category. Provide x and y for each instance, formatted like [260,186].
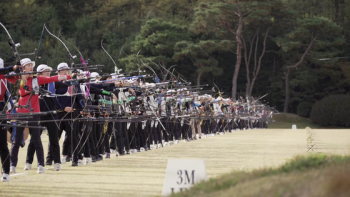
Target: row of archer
[112,112]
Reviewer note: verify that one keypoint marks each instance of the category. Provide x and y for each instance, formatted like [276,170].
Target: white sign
[294,126]
[181,174]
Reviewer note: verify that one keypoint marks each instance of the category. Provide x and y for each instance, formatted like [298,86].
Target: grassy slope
[317,175]
[285,121]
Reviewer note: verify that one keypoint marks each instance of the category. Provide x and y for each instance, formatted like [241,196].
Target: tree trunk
[239,52]
[256,71]
[199,79]
[286,100]
[247,60]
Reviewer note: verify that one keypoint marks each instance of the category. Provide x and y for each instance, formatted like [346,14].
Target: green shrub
[333,110]
[304,109]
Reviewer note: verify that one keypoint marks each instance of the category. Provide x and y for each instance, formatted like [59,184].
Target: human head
[63,69]
[27,65]
[44,70]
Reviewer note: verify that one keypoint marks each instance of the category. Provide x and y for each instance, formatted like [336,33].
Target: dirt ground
[142,174]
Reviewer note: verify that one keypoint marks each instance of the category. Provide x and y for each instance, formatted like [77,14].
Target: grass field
[285,121]
[314,175]
[142,174]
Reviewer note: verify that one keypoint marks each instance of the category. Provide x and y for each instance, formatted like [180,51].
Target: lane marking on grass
[18,174]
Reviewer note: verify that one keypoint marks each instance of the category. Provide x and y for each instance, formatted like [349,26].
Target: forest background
[294,50]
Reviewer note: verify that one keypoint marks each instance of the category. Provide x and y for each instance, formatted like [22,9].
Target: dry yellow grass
[142,174]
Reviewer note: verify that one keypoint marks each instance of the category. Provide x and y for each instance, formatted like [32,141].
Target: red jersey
[24,95]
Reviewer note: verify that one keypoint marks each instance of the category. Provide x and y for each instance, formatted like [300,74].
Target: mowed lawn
[142,174]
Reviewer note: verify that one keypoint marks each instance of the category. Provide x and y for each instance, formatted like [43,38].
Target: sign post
[181,174]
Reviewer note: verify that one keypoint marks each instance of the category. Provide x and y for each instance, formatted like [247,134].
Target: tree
[226,19]
[156,42]
[256,38]
[311,36]
[201,55]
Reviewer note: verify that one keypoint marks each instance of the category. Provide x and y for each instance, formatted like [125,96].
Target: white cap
[62,66]
[1,63]
[81,72]
[113,75]
[43,67]
[26,61]
[131,81]
[94,74]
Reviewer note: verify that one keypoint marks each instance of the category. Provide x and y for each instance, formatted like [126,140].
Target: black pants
[126,139]
[177,129]
[85,131]
[91,139]
[132,135]
[119,132]
[52,130]
[108,133]
[71,140]
[100,136]
[113,139]
[165,130]
[157,135]
[4,151]
[142,129]
[35,140]
[94,140]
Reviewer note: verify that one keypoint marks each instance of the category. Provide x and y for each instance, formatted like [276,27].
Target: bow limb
[87,92]
[70,56]
[117,70]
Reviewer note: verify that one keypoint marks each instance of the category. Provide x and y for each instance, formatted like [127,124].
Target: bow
[115,65]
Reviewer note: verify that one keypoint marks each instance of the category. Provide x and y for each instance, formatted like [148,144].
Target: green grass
[142,174]
[285,121]
[315,175]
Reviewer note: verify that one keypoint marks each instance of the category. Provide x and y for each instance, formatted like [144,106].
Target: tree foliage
[200,38]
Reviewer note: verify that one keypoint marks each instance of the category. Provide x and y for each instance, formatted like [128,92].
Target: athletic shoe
[200,137]
[93,158]
[133,151]
[108,155]
[87,161]
[74,163]
[63,160]
[48,162]
[159,146]
[176,141]
[99,158]
[69,159]
[12,170]
[221,133]
[5,177]
[57,167]
[142,149]
[113,150]
[28,166]
[165,144]
[41,169]
[80,162]
[194,138]
[171,143]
